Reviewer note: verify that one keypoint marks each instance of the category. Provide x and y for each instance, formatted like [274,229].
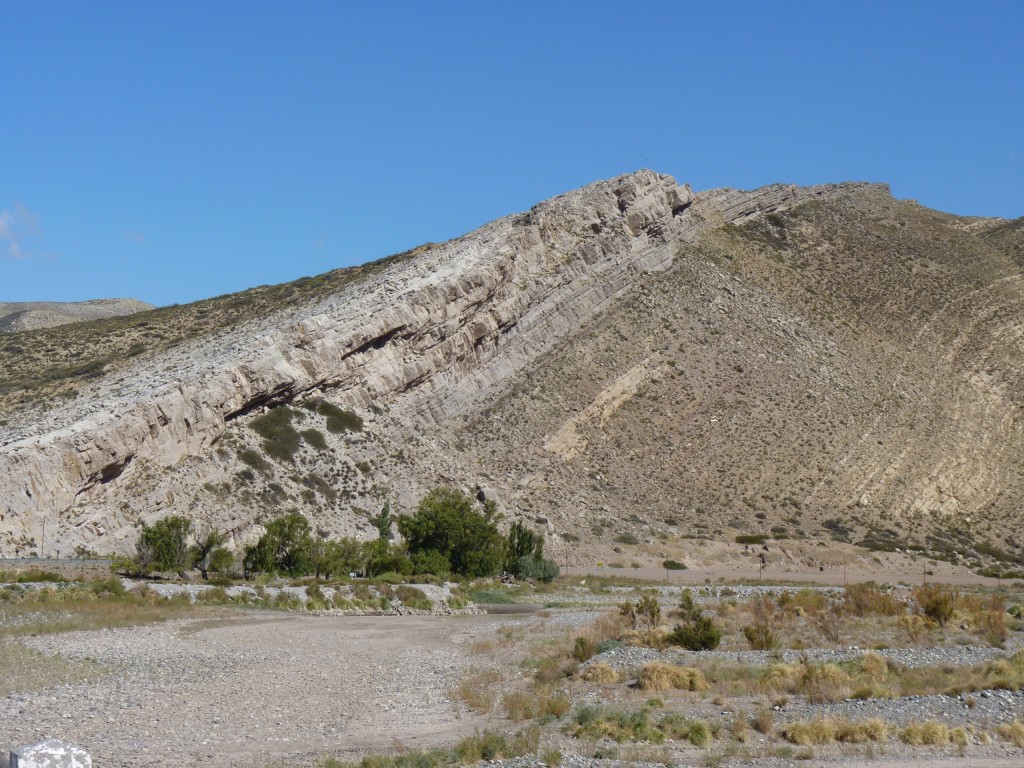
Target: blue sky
[174,151]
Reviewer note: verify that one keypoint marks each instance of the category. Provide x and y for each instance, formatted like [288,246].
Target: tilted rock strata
[438,335]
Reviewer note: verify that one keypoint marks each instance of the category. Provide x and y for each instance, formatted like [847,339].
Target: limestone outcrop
[432,339]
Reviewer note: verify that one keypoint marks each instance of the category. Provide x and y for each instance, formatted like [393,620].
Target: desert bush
[915,627]
[584,649]
[529,705]
[874,666]
[959,738]
[699,634]
[673,565]
[537,568]
[829,621]
[490,745]
[112,587]
[751,538]
[935,602]
[825,731]
[763,721]
[822,683]
[760,637]
[476,690]
[868,599]
[659,676]
[989,621]
[314,438]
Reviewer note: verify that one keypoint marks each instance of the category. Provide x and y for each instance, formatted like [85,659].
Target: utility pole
[42,547]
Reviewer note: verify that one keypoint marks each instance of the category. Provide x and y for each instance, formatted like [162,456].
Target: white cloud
[16,224]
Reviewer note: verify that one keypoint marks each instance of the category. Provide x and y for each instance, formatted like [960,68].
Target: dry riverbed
[238,691]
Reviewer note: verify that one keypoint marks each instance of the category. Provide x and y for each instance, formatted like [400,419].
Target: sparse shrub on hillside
[315,439]
[280,439]
[751,538]
[673,565]
[627,538]
[255,460]
[338,419]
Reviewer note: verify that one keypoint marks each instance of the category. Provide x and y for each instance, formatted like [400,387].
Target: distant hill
[33,315]
[629,367]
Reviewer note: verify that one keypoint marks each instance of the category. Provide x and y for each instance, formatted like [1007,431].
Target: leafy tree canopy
[446,522]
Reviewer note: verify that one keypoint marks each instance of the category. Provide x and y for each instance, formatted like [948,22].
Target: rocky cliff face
[427,351]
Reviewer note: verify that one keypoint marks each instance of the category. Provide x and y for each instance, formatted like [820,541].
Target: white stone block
[50,754]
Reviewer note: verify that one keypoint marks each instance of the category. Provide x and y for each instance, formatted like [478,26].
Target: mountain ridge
[426,351]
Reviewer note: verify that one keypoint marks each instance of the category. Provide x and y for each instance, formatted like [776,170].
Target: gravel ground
[628,657]
[238,690]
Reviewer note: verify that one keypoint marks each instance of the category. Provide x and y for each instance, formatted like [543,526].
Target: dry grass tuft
[806,733]
[1012,732]
[874,666]
[931,733]
[599,673]
[659,676]
[475,690]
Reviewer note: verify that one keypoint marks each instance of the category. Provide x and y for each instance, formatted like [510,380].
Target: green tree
[522,542]
[162,546]
[328,557]
[222,560]
[382,522]
[201,554]
[446,522]
[284,546]
[384,557]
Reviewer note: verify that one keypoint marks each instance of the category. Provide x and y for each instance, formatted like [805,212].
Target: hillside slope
[625,363]
[33,315]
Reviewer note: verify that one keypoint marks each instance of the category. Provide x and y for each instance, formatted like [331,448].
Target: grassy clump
[659,676]
[413,597]
[638,725]
[599,673]
[931,733]
[1012,732]
[486,745]
[807,733]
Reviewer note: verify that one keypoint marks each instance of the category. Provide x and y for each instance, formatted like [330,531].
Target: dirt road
[829,577]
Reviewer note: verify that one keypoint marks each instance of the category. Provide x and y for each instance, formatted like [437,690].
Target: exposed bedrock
[435,336]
